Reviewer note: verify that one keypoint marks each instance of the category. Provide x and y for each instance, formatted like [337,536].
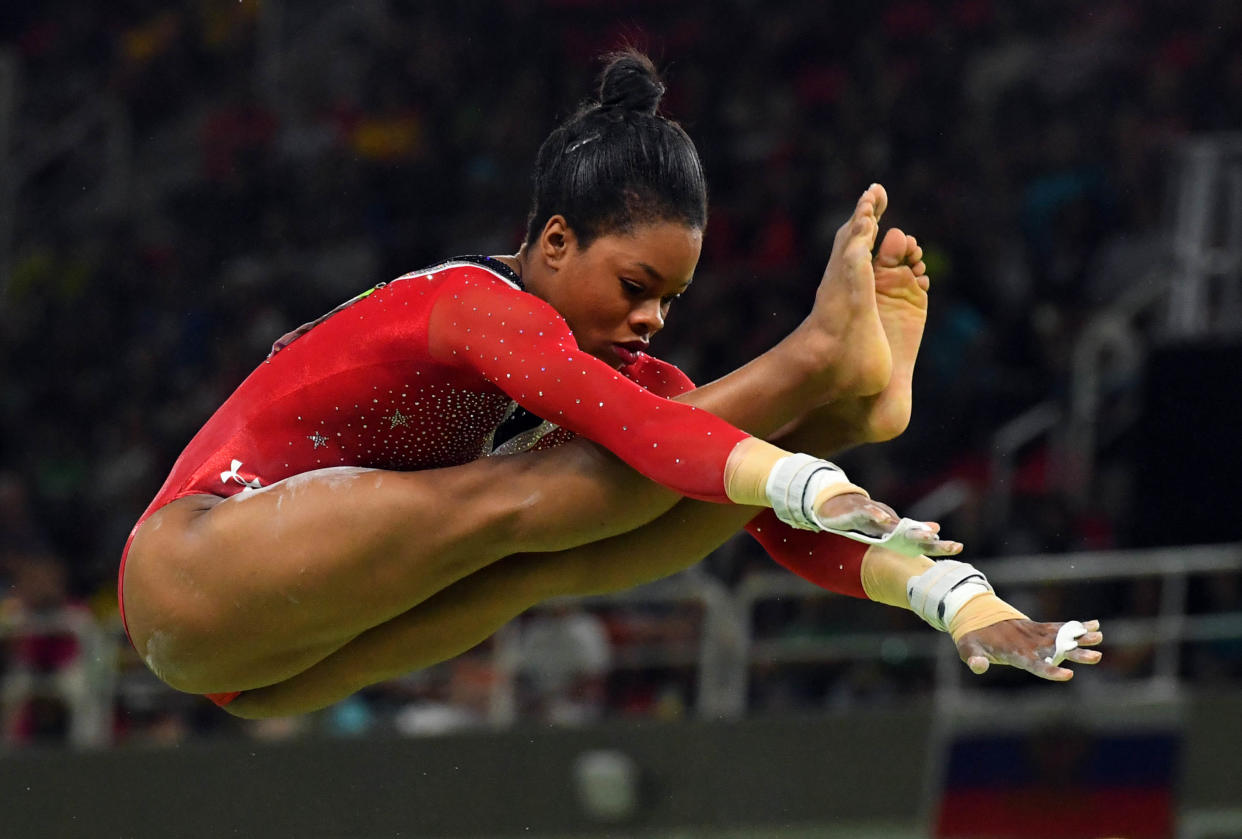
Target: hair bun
[630,83]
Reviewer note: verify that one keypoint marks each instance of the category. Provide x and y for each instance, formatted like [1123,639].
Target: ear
[557,241]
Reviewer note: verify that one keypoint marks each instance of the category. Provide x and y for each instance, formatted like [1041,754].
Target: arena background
[182,182]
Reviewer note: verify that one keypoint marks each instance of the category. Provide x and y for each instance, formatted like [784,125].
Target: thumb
[972,653]
[978,664]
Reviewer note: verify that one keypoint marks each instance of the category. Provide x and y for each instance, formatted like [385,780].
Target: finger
[1091,639]
[925,532]
[971,652]
[874,521]
[1084,656]
[978,664]
[943,547]
[1066,641]
[1040,667]
[870,518]
[929,541]
[884,512]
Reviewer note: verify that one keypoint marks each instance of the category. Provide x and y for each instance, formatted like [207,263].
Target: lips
[629,352]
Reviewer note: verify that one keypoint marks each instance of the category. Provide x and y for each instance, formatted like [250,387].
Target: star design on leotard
[397,418]
[318,439]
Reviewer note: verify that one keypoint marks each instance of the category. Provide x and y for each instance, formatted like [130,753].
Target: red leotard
[418,373]
[829,561]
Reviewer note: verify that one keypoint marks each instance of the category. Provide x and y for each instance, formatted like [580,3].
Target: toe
[892,250]
[880,194]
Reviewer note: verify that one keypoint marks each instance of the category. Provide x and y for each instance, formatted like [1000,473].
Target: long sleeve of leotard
[829,561]
[521,345]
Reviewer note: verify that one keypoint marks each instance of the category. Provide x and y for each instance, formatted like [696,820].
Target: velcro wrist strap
[938,593]
[796,482]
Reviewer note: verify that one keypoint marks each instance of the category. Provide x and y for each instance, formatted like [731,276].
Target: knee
[166,655]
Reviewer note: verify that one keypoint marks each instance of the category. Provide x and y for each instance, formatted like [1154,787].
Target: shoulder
[658,376]
[465,273]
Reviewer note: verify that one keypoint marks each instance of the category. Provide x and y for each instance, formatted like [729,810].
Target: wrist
[956,597]
[747,470]
[981,611]
[799,484]
[885,575]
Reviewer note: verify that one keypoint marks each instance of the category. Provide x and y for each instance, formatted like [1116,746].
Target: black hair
[616,164]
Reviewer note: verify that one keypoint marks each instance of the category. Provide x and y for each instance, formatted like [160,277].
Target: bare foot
[901,285]
[843,329]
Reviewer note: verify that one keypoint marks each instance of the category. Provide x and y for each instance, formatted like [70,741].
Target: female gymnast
[336,522]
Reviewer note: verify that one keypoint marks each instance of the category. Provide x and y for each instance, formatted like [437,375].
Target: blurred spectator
[189,185]
[566,656]
[50,689]
[451,697]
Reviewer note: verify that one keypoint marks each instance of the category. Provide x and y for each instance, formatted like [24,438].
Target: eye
[668,299]
[633,288]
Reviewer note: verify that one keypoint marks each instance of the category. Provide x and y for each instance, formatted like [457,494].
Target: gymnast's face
[616,293]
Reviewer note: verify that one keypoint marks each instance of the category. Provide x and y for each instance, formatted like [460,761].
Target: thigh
[230,594]
[444,626]
[469,611]
[224,589]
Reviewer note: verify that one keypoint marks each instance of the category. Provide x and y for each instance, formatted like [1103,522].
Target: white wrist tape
[793,485]
[937,593]
[795,482]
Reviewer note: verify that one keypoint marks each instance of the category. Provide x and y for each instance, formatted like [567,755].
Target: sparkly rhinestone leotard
[419,372]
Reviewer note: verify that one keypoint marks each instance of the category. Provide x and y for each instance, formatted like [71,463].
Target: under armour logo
[232,475]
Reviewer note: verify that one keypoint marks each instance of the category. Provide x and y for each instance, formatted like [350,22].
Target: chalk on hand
[1067,639]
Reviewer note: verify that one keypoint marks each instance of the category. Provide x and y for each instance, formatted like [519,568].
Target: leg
[246,592]
[237,593]
[471,610]
[901,286]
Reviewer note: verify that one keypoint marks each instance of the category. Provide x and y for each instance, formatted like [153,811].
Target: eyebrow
[658,277]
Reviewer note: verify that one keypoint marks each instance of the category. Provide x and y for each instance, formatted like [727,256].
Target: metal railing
[1167,630]
[717,663]
[728,650]
[1206,297]
[84,682]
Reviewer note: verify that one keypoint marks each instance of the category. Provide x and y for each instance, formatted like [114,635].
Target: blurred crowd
[193,179]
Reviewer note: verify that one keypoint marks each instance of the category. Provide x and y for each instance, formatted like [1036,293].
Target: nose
[647,318]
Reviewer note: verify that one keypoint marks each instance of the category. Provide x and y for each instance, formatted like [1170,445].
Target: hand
[1026,644]
[856,512]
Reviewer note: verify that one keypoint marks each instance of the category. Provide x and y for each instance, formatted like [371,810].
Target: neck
[521,263]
